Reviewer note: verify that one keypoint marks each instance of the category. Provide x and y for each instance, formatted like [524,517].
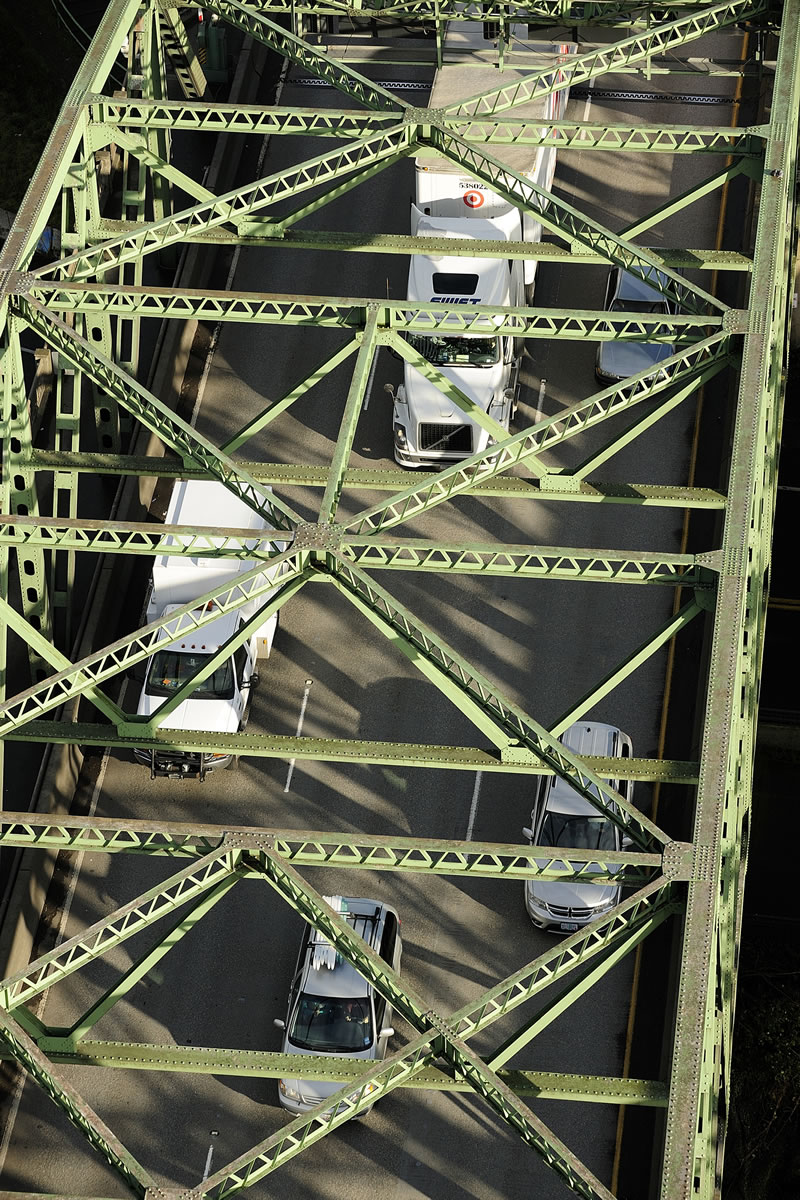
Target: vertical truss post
[352,411]
[699,1084]
[23,496]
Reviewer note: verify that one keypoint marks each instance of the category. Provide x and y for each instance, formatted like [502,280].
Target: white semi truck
[429,428]
[220,704]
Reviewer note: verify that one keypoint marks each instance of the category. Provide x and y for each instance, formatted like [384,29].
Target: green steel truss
[88,305]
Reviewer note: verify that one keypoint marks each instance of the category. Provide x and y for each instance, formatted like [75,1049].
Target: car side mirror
[627,842]
[527,833]
[387,1032]
[279,1024]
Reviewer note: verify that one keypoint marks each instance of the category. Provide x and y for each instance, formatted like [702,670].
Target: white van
[563,817]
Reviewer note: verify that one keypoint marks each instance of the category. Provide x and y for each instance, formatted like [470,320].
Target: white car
[332,1009]
[628,293]
[563,817]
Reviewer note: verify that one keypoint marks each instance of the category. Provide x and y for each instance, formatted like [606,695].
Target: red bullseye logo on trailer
[473,199]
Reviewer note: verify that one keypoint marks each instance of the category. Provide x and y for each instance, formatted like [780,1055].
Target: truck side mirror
[388,388]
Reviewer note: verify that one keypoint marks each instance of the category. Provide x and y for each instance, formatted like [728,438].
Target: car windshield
[169,669]
[584,833]
[331,1026]
[640,306]
[457,351]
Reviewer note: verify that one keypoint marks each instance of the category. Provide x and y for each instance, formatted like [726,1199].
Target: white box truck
[220,704]
[430,429]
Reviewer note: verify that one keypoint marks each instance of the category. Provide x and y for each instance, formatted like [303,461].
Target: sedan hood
[573,895]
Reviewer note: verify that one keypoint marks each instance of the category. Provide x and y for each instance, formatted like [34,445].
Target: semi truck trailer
[429,428]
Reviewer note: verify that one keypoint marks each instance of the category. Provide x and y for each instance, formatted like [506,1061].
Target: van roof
[367,918]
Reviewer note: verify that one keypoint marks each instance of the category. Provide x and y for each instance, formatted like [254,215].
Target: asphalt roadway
[544,643]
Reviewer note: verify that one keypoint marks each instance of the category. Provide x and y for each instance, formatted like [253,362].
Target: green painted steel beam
[511,729]
[109,662]
[705,259]
[746,141]
[310,905]
[353,406]
[374,553]
[252,20]
[44,648]
[591,64]
[367,479]
[258,1064]
[542,12]
[686,199]
[386,147]
[188,884]
[545,434]
[246,629]
[268,415]
[142,966]
[176,433]
[38,1068]
[307,849]
[406,754]
[351,313]
[569,223]
[68,130]
[578,984]
[524,562]
[618,674]
[697,1116]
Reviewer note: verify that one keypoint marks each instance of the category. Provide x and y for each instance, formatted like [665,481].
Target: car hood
[313,1090]
[627,358]
[573,895]
[428,404]
[216,716]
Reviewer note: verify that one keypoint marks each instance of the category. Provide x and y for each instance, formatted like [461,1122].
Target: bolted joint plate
[249,841]
[519,754]
[16,283]
[685,862]
[424,116]
[741,320]
[310,536]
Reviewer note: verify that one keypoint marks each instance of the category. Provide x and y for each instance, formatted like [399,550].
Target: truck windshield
[584,833]
[331,1026]
[171,668]
[457,351]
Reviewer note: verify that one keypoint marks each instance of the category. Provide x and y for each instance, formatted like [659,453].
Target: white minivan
[563,817]
[332,1010]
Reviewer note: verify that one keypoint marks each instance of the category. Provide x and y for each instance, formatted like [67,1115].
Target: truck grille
[447,439]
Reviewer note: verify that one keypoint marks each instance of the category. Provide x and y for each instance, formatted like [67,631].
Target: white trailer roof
[455,82]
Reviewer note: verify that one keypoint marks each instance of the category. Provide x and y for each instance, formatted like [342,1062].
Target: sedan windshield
[584,833]
[169,669]
[457,351]
[331,1026]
